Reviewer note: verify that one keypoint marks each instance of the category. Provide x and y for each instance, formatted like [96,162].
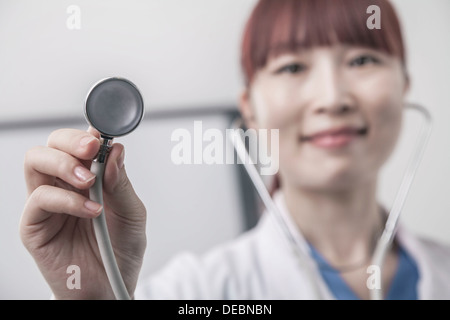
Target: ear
[246,109]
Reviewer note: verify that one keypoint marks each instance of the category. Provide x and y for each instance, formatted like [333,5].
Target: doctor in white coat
[335,89]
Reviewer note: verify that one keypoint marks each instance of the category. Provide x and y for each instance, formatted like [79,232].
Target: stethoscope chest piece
[114,106]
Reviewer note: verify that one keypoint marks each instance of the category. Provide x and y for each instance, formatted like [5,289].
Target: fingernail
[86,140]
[83,174]
[93,206]
[121,159]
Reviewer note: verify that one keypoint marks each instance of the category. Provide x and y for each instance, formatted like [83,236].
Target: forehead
[289,26]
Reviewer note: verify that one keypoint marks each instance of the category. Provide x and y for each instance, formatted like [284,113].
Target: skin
[56,225]
[331,193]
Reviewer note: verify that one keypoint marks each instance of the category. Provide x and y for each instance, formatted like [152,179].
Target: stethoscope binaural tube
[115,107]
[390,228]
[298,248]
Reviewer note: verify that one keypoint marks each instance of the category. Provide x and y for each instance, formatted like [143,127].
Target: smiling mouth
[335,138]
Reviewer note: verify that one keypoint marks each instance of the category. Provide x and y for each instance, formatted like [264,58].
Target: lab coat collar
[433,260]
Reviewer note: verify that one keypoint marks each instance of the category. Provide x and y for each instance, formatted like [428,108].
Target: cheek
[383,111]
[274,105]
[385,131]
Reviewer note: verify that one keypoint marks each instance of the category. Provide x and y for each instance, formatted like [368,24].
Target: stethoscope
[115,107]
[387,237]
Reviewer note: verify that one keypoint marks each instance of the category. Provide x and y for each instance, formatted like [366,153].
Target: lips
[334,138]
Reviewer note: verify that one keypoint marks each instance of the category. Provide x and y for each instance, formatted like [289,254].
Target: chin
[334,179]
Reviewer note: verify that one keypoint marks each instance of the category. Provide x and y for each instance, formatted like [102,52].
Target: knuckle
[52,136]
[53,197]
[38,194]
[68,199]
[31,154]
[27,159]
[64,163]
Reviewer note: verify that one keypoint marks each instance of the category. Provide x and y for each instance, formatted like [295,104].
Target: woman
[335,90]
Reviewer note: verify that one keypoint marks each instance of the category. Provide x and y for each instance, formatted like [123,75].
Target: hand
[56,224]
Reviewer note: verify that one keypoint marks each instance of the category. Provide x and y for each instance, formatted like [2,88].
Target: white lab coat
[262,264]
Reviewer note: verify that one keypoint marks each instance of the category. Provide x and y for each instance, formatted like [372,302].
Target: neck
[342,225]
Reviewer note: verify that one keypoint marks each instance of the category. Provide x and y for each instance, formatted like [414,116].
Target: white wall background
[426,27]
[181,54]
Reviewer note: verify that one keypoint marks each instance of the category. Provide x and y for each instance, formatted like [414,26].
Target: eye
[364,60]
[292,68]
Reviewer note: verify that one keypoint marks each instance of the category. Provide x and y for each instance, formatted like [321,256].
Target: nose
[330,91]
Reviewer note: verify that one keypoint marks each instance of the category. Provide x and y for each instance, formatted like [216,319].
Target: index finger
[93,131]
[80,144]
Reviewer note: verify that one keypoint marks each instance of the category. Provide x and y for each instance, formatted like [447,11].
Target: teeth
[362,131]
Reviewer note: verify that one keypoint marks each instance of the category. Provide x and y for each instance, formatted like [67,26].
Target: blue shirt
[403,286]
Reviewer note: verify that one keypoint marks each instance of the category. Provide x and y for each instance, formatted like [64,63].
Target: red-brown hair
[280,26]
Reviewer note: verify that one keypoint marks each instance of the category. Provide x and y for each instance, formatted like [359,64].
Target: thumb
[118,190]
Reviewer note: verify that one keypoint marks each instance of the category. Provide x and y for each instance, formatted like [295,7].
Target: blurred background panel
[184,57]
[180,53]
